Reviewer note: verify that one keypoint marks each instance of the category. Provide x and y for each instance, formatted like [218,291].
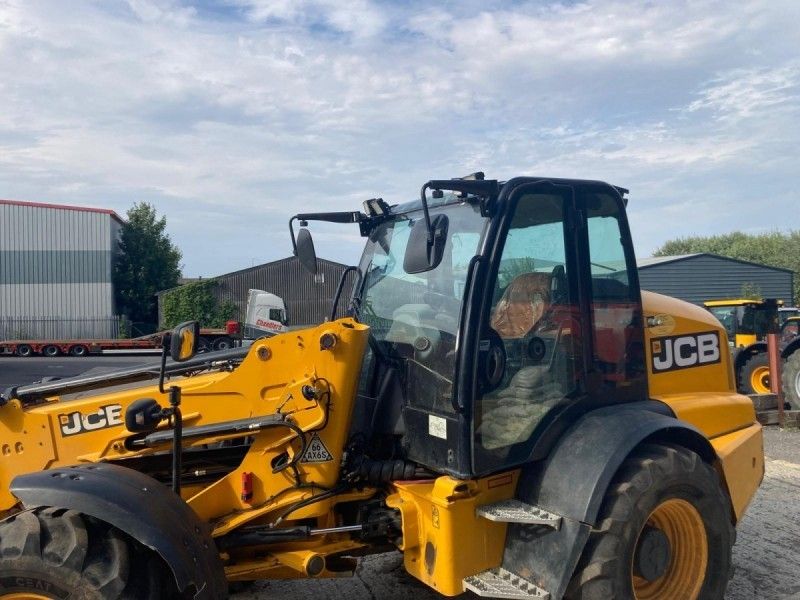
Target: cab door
[532,347]
[561,329]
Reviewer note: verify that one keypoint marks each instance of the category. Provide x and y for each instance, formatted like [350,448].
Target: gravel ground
[766,555]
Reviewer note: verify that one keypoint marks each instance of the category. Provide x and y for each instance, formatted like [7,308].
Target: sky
[230,116]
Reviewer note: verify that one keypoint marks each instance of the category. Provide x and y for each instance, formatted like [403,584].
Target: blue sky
[231,116]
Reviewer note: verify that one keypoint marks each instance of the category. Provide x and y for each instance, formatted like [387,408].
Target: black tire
[58,554]
[204,345]
[751,368]
[24,350]
[51,351]
[223,343]
[647,480]
[79,350]
[790,380]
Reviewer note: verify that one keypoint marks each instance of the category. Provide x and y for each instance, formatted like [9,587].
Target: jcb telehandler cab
[503,405]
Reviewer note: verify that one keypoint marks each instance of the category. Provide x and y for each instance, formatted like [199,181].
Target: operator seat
[522,304]
[510,413]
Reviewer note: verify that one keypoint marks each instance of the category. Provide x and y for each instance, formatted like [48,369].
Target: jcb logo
[685,351]
[76,422]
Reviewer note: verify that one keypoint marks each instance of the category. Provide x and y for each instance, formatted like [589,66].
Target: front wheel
[664,532]
[754,375]
[790,380]
[54,553]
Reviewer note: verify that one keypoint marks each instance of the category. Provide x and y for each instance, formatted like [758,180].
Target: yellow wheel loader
[503,405]
[747,322]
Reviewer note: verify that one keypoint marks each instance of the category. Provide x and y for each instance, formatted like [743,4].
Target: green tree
[196,301]
[775,249]
[147,263]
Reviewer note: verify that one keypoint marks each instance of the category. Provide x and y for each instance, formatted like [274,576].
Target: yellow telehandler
[502,404]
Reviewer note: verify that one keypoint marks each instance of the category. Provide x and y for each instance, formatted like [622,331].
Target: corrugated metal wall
[707,277]
[307,297]
[55,263]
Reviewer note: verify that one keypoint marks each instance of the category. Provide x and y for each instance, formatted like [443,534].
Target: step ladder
[516,511]
[499,583]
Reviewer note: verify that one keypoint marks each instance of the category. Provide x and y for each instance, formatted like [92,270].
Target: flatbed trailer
[216,339]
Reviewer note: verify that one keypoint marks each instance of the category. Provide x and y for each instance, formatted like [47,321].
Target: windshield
[749,319]
[414,317]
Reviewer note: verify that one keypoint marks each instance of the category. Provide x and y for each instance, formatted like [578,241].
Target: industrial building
[307,297]
[56,266]
[703,276]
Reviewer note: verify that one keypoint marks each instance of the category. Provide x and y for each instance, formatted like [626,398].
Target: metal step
[499,583]
[514,511]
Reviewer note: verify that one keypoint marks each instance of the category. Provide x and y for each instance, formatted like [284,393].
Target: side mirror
[424,252]
[306,252]
[184,341]
[143,416]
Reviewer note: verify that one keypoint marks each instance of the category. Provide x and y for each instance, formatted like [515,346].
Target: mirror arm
[424,201]
[291,234]
[330,217]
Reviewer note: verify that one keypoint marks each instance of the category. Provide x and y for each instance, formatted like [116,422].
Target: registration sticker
[437,426]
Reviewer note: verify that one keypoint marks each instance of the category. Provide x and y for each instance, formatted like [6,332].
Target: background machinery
[747,322]
[503,406]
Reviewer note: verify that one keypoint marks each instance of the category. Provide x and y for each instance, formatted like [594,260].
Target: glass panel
[727,316]
[791,329]
[616,311]
[414,317]
[533,322]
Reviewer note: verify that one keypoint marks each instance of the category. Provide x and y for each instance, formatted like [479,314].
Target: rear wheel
[222,343]
[754,375]
[24,350]
[790,380]
[664,532]
[51,351]
[79,351]
[52,553]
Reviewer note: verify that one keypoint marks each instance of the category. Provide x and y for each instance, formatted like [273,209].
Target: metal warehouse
[307,297]
[699,277]
[55,270]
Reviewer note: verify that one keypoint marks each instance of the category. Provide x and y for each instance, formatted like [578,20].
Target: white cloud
[230,116]
[744,93]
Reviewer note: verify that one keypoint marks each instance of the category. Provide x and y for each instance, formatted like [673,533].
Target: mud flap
[143,508]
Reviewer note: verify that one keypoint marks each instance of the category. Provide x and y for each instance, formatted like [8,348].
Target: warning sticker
[316,452]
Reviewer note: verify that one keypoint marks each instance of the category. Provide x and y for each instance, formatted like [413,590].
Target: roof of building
[106,211]
[188,280]
[652,261]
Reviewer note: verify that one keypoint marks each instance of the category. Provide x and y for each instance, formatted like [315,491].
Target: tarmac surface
[766,555]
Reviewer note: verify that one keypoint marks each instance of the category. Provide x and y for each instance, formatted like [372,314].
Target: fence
[39,328]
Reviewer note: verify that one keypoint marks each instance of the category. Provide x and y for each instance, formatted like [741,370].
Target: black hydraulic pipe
[340,288]
[177,437]
[239,426]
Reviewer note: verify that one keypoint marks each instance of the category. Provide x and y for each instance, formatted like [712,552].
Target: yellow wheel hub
[685,572]
[759,380]
[24,596]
